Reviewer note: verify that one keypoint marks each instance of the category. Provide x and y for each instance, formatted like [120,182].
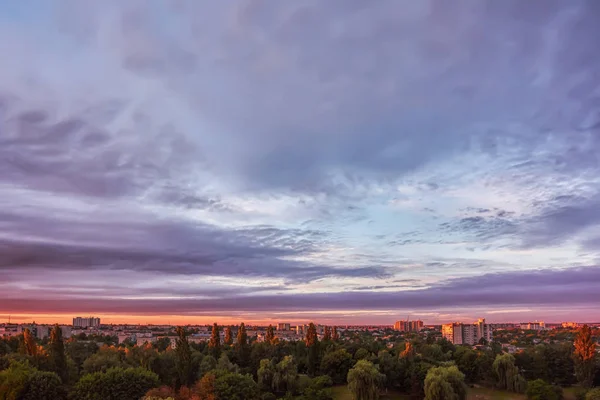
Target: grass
[342,393]
[478,393]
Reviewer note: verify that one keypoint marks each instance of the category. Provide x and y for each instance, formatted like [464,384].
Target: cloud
[542,288]
[298,145]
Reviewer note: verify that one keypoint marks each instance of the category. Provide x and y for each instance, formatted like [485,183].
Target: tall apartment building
[283,326]
[471,334]
[533,326]
[88,322]
[408,326]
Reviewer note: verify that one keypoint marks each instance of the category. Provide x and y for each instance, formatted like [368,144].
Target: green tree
[107,357]
[242,336]
[466,361]
[364,381]
[270,336]
[208,364]
[225,365]
[214,345]
[265,374]
[21,381]
[312,343]
[286,375]
[42,385]
[542,390]
[233,386]
[183,359]
[115,384]
[336,364]
[507,374]
[585,354]
[56,352]
[228,337]
[445,383]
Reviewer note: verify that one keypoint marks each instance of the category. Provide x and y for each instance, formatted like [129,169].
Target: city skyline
[195,161]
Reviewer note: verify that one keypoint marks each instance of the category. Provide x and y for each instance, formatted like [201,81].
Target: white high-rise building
[471,334]
[87,322]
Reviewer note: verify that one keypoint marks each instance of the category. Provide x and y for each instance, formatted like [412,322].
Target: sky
[339,161]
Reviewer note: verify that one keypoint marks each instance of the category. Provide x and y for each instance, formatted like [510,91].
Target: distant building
[87,322]
[283,326]
[408,326]
[471,334]
[533,326]
[570,325]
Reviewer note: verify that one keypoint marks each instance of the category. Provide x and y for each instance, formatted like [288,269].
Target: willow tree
[364,381]
[442,383]
[507,374]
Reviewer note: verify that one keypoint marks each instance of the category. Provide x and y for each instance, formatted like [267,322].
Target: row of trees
[237,368]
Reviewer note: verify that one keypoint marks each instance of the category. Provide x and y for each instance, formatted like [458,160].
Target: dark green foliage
[56,353]
[115,384]
[214,344]
[183,360]
[443,383]
[43,385]
[542,390]
[593,394]
[364,381]
[234,386]
[336,364]
[312,343]
[21,381]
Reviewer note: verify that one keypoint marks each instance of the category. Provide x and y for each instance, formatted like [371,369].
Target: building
[533,326]
[88,322]
[570,325]
[408,326]
[459,333]
[283,326]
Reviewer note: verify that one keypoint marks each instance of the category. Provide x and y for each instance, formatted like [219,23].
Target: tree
[444,383]
[286,375]
[107,357]
[312,343]
[183,359]
[242,336]
[57,354]
[235,386]
[265,374]
[466,361]
[228,337]
[364,381]
[42,385]
[336,364]
[214,344]
[225,365]
[115,384]
[208,364]
[507,374]
[335,336]
[542,390]
[270,336]
[327,334]
[593,394]
[29,344]
[21,381]
[585,352]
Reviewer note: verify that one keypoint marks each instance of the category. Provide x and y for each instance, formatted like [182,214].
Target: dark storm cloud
[575,286]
